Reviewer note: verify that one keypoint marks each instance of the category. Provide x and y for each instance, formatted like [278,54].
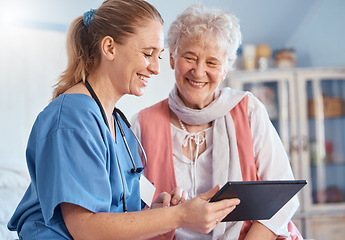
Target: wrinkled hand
[176,197]
[203,216]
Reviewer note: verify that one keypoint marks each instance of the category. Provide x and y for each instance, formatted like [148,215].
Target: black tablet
[260,200]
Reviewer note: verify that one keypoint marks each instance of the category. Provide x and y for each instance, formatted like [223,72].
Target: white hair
[199,22]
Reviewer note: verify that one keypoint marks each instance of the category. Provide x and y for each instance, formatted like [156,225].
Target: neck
[193,128]
[200,105]
[105,93]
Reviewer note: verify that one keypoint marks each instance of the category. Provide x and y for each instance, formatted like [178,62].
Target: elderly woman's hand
[177,196]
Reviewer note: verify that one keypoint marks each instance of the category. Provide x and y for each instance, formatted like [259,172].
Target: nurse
[82,181]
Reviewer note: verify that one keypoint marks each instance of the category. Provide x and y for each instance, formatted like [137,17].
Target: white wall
[30,62]
[31,59]
[319,40]
[314,28]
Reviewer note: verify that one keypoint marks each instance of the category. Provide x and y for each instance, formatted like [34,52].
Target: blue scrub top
[71,157]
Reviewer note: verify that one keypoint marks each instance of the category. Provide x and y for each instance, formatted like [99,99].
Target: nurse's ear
[108,48]
[172,61]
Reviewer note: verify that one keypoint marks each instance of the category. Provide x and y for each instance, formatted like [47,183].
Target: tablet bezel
[260,200]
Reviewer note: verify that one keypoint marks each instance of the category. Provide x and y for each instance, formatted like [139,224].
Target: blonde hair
[198,22]
[115,18]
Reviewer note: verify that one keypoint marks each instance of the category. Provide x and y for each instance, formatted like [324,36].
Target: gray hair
[198,22]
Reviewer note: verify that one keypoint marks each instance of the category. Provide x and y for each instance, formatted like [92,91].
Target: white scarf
[224,142]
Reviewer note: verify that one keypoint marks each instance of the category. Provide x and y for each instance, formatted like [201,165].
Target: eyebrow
[152,48]
[208,59]
[189,52]
[214,59]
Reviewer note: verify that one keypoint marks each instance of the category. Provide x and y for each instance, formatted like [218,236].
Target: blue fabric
[71,157]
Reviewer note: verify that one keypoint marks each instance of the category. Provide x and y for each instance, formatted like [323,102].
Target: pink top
[156,131]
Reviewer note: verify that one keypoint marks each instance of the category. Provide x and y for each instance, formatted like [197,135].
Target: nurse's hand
[177,196]
[203,216]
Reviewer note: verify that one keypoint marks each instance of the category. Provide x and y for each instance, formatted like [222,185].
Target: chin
[138,93]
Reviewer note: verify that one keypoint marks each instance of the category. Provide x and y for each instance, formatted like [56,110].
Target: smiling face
[199,69]
[137,59]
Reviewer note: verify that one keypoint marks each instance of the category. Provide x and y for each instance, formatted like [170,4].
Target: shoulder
[156,111]
[70,111]
[255,105]
[154,117]
[71,105]
[156,107]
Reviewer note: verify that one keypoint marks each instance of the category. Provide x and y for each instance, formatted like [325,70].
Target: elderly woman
[202,136]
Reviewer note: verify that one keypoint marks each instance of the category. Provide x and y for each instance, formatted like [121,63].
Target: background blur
[32,48]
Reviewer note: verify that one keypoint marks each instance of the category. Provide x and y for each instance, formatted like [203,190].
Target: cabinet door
[274,88]
[327,227]
[323,124]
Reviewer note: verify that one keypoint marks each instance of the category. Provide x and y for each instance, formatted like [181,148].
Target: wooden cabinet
[306,106]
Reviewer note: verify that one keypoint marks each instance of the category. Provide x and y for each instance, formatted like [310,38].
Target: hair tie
[88,16]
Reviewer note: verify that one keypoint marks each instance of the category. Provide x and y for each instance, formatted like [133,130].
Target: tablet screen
[260,200]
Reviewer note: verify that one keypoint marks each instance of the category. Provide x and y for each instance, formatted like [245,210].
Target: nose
[154,66]
[198,70]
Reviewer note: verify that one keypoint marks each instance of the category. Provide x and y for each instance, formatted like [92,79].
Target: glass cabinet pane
[266,92]
[275,96]
[326,128]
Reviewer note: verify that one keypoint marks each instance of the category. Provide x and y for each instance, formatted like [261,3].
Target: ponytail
[115,18]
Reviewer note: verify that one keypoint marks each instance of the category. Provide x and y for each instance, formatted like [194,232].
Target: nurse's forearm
[83,224]
[197,214]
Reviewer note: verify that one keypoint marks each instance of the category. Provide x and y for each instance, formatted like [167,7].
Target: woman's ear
[108,48]
[172,61]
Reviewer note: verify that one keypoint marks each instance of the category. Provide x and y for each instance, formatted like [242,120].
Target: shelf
[308,136]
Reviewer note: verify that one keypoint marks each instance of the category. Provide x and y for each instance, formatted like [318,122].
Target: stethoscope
[116,112]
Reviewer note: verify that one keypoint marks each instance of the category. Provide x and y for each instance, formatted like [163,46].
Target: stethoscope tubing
[120,113]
